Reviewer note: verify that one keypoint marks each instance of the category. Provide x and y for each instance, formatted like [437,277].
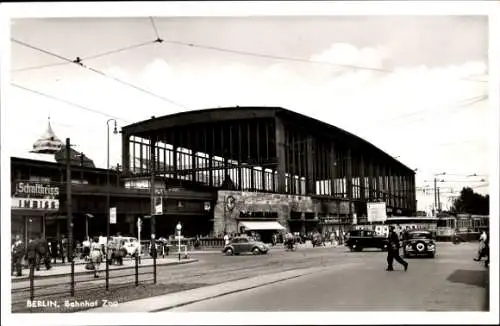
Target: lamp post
[115,131]
[178,227]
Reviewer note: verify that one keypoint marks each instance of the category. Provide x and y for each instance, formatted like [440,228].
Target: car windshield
[419,235]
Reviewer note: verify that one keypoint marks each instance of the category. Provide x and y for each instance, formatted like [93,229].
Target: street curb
[26,278]
[182,298]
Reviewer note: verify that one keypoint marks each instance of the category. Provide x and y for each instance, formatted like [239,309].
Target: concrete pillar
[125,153]
[310,178]
[281,155]
[333,169]
[349,182]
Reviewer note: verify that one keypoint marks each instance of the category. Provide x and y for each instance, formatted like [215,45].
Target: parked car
[357,240]
[243,245]
[419,243]
[130,244]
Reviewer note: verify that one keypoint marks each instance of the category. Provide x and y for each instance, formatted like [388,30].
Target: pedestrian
[42,254]
[226,239]
[63,248]
[17,255]
[85,248]
[30,255]
[393,251]
[54,249]
[481,252]
[96,255]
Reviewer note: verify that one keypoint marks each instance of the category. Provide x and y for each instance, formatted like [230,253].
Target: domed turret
[48,143]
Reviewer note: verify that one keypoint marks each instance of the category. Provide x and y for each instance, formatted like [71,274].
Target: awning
[266,225]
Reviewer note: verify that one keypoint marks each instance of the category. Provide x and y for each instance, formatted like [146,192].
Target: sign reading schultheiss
[376,212]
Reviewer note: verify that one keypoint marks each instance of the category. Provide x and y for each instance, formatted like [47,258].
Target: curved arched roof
[312,125]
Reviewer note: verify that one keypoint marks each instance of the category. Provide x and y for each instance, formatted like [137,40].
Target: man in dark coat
[42,250]
[30,255]
[63,248]
[393,251]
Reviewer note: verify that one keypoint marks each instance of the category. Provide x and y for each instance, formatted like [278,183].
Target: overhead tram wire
[99,55]
[78,61]
[458,106]
[95,56]
[286,58]
[68,102]
[158,38]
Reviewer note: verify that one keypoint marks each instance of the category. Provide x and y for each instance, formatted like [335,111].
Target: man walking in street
[393,251]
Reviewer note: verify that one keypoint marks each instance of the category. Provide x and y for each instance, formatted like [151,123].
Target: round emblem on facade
[230,203]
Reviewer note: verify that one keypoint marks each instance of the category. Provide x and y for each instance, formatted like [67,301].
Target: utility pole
[69,214]
[435,196]
[152,190]
[439,200]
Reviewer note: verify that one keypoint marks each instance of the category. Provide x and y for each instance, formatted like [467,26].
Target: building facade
[268,166]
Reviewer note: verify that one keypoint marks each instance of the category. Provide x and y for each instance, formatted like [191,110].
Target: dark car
[419,243]
[243,244]
[359,239]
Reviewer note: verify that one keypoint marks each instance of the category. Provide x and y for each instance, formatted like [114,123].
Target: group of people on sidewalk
[35,253]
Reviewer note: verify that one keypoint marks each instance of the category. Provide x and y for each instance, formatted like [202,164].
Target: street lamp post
[178,227]
[115,131]
[436,193]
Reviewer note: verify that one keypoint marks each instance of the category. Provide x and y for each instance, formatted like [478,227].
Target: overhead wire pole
[108,212]
[69,215]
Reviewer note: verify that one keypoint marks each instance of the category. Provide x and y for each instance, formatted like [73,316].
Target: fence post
[32,282]
[72,289]
[136,270]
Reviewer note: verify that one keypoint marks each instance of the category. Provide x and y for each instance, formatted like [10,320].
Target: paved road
[450,282]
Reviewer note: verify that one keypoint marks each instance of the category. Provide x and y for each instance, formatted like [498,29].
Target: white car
[131,244]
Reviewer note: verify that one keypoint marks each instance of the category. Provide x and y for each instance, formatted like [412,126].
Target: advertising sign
[36,190]
[376,212]
[35,195]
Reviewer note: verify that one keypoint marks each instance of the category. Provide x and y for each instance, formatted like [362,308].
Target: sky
[415,86]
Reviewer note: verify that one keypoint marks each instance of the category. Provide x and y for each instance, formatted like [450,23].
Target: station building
[261,168]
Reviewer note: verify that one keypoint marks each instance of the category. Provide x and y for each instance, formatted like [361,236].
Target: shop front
[32,205]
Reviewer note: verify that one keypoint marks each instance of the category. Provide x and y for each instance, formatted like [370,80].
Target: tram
[466,226]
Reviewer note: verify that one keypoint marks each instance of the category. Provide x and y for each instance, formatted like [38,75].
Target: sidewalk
[65,269]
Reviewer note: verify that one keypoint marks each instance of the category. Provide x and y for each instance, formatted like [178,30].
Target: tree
[471,203]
